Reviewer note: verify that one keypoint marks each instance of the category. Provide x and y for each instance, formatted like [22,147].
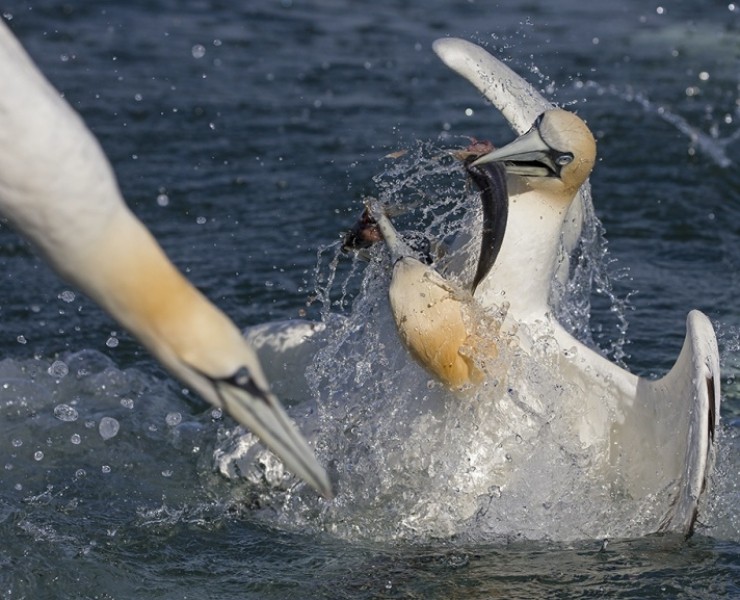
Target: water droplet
[65,412]
[75,438]
[127,403]
[112,342]
[67,296]
[216,414]
[198,51]
[108,428]
[173,419]
[38,455]
[21,340]
[167,473]
[201,220]
[17,443]
[58,369]
[163,199]
[105,469]
[80,473]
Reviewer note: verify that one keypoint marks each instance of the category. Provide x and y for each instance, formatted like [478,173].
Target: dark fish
[490,178]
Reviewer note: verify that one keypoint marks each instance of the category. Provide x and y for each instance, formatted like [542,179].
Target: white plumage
[58,189]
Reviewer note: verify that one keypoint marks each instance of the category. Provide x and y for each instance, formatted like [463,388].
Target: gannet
[658,435]
[58,190]
[432,315]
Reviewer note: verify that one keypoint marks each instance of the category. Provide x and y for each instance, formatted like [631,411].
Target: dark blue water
[246,138]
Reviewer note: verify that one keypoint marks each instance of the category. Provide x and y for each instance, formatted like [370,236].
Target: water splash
[413,460]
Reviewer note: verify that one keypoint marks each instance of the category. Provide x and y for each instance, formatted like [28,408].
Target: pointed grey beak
[528,155]
[261,412]
[397,247]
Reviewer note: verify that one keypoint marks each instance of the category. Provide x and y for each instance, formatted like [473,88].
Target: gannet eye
[564,159]
[243,379]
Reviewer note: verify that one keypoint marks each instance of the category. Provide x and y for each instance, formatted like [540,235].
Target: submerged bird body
[58,189]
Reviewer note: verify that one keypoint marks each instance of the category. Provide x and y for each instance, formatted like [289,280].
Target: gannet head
[430,314]
[555,156]
[58,189]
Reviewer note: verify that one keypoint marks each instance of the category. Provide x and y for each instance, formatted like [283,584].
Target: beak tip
[481,160]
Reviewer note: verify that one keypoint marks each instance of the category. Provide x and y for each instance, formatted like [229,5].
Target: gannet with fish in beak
[58,189]
[658,435]
[656,438]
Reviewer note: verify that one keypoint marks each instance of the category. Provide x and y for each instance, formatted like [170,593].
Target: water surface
[246,139]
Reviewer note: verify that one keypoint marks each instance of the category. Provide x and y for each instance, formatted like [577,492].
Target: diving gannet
[432,315]
[58,189]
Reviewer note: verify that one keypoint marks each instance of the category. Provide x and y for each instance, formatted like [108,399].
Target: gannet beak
[260,411]
[528,155]
[396,245]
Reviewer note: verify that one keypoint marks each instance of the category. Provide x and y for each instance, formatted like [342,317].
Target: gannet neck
[57,188]
[523,272]
[432,317]
[51,164]
[156,303]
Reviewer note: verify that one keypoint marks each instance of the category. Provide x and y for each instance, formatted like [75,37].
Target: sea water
[247,138]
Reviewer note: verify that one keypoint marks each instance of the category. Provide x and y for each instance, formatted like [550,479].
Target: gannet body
[658,435]
[58,189]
